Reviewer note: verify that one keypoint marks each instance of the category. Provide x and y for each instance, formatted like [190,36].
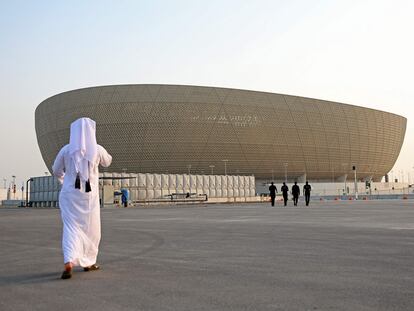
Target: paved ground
[331,256]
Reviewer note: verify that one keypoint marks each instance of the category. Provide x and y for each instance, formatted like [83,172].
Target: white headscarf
[83,148]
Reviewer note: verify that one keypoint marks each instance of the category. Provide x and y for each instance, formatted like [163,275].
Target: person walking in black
[273,191]
[285,190]
[307,190]
[295,193]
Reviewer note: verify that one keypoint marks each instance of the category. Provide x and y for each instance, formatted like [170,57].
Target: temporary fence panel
[246,182]
[133,194]
[150,194]
[142,181]
[150,182]
[164,182]
[107,182]
[125,181]
[236,192]
[34,185]
[252,183]
[241,192]
[212,182]
[235,183]
[206,181]
[157,181]
[116,182]
[193,183]
[241,183]
[172,181]
[49,196]
[134,180]
[55,195]
[142,194]
[219,184]
[51,183]
[224,182]
[40,184]
[186,183]
[230,183]
[180,183]
[230,192]
[157,194]
[200,183]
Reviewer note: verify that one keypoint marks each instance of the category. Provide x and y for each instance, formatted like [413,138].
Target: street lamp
[225,166]
[13,189]
[285,165]
[356,185]
[345,176]
[212,168]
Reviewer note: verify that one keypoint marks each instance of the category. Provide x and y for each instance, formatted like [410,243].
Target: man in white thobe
[76,167]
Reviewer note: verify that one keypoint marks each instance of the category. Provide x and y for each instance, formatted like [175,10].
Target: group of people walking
[295,193]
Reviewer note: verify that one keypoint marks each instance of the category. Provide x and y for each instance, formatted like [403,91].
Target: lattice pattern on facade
[168,128]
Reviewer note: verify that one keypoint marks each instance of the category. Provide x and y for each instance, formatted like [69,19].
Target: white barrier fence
[44,190]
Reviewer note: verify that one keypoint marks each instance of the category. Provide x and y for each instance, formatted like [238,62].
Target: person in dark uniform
[307,190]
[295,193]
[273,191]
[285,190]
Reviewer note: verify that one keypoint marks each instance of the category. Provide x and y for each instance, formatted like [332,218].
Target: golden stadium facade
[177,129]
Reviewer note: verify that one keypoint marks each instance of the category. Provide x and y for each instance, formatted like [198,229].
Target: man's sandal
[67,274]
[94,267]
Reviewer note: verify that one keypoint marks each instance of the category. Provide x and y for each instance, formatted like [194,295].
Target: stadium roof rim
[213,87]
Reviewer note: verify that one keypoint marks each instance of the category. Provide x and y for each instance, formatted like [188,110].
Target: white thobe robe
[80,210]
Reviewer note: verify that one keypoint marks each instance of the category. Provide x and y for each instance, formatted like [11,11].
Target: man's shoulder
[64,149]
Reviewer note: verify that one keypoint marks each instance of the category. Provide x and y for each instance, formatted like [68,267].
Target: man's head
[284,184]
[271,183]
[306,182]
[296,182]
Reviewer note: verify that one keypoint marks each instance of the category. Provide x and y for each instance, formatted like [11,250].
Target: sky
[356,52]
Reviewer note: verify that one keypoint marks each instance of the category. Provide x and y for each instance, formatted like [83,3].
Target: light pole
[355,185]
[212,168]
[345,177]
[14,186]
[285,165]
[225,166]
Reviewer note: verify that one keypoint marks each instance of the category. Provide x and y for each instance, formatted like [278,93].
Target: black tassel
[88,186]
[77,181]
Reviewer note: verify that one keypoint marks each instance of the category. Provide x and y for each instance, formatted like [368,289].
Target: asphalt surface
[331,256]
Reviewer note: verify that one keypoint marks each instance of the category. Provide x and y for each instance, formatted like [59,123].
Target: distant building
[180,129]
